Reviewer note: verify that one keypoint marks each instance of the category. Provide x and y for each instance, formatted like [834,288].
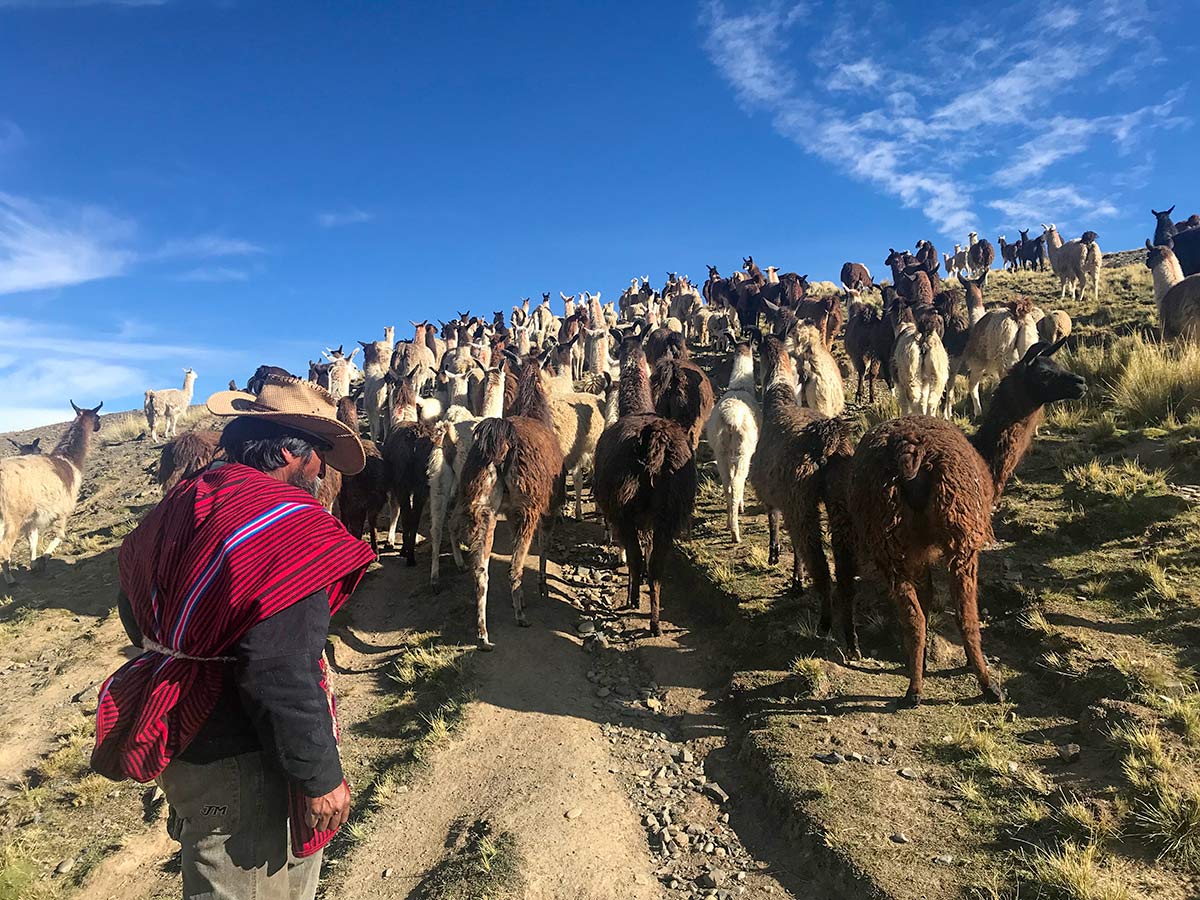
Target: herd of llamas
[479,417]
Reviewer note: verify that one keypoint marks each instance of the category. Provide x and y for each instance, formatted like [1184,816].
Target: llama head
[1037,379]
[1156,255]
[87,416]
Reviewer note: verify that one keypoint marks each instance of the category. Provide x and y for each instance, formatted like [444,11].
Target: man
[228,586]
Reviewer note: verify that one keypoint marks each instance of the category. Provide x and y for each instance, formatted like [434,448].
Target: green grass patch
[486,866]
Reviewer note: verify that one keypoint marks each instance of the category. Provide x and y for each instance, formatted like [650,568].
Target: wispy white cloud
[45,246]
[206,246]
[937,130]
[1041,206]
[344,217]
[109,365]
[214,274]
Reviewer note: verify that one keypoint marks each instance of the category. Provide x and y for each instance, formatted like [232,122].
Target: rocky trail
[601,754]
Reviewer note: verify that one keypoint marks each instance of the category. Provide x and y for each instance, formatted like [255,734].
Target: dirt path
[546,736]
[527,752]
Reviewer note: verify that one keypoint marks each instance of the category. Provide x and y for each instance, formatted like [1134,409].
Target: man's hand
[330,810]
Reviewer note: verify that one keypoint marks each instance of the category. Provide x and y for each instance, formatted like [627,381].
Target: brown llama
[801,462]
[515,466]
[682,392]
[869,344]
[40,492]
[187,455]
[406,455]
[363,496]
[644,480]
[923,492]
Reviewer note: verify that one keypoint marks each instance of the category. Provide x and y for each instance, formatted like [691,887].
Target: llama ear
[1033,353]
[37,441]
[1169,211]
[1149,246]
[1054,348]
[76,408]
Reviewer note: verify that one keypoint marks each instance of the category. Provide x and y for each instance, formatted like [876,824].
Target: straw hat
[303,406]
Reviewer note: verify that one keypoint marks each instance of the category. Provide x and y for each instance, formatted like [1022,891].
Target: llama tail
[653,448]
[495,439]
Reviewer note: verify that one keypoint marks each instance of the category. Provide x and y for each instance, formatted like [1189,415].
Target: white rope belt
[156,647]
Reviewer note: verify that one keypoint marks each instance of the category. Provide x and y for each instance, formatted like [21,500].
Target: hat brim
[346,453]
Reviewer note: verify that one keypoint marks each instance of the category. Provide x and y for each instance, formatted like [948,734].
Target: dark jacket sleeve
[125,609]
[278,678]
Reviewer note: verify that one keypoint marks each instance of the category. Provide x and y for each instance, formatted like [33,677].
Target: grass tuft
[1072,872]
[486,867]
[1169,821]
[809,673]
[1159,383]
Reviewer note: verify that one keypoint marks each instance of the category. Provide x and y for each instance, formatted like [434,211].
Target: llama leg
[912,624]
[978,406]
[841,538]
[394,509]
[524,524]
[807,538]
[437,520]
[858,391]
[737,500]
[8,537]
[59,534]
[964,584]
[774,519]
[928,600]
[409,548]
[33,550]
[797,586]
[659,550]
[481,555]
[577,477]
[633,556]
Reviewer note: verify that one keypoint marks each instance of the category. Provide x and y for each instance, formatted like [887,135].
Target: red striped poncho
[222,552]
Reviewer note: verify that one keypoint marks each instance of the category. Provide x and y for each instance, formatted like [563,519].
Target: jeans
[231,817]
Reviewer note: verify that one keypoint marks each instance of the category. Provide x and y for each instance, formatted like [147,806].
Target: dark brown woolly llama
[869,344]
[644,479]
[187,455]
[801,462]
[682,392]
[922,492]
[363,496]
[406,461]
[515,466]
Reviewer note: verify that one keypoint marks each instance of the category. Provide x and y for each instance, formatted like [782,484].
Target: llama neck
[742,376]
[1167,274]
[634,396]
[76,443]
[493,396]
[1004,437]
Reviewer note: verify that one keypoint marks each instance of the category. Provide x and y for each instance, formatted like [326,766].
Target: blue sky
[220,184]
